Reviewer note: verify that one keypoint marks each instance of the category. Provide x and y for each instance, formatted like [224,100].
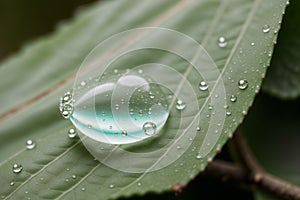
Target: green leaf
[33,82]
[282,79]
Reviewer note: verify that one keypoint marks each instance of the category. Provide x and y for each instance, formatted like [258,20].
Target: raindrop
[120,97]
[222,42]
[30,144]
[17,168]
[111,186]
[266,28]
[243,84]
[66,105]
[180,105]
[233,98]
[149,128]
[203,86]
[72,133]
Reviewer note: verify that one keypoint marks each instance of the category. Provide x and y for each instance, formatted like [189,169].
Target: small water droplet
[243,84]
[244,112]
[209,159]
[203,86]
[149,128]
[111,186]
[180,105]
[199,156]
[198,128]
[66,105]
[17,168]
[252,43]
[228,113]
[67,180]
[222,42]
[30,144]
[89,126]
[83,189]
[82,83]
[74,176]
[266,28]
[233,98]
[12,183]
[139,184]
[210,107]
[72,133]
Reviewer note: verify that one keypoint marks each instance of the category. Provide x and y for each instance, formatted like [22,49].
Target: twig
[258,176]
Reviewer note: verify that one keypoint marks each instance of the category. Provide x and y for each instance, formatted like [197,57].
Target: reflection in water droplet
[30,144]
[149,128]
[17,168]
[72,133]
[222,42]
[243,84]
[203,86]
[266,28]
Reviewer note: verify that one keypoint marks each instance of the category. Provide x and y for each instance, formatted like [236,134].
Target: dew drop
[74,176]
[199,156]
[72,133]
[66,105]
[203,86]
[210,107]
[149,128]
[244,112]
[67,180]
[180,105]
[266,28]
[120,103]
[83,189]
[83,83]
[233,98]
[222,42]
[228,113]
[30,144]
[198,128]
[139,184]
[111,186]
[12,183]
[243,84]
[17,168]
[252,43]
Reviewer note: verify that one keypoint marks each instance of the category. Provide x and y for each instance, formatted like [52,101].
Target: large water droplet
[17,168]
[203,86]
[121,108]
[180,105]
[30,144]
[222,42]
[266,28]
[243,84]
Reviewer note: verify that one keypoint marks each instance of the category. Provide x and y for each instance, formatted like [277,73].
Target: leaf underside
[33,81]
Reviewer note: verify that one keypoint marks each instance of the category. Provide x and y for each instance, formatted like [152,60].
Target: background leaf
[282,79]
[33,81]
